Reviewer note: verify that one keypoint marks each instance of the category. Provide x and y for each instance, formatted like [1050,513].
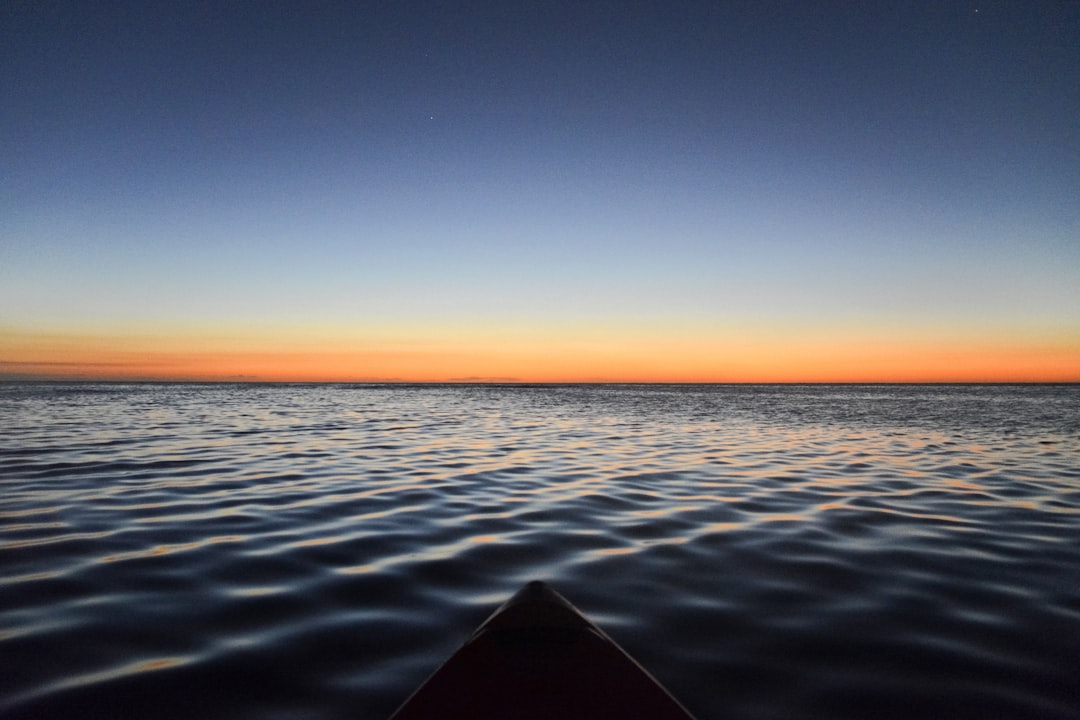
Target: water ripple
[767,551]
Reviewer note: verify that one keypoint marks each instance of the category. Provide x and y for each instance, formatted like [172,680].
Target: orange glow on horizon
[824,356]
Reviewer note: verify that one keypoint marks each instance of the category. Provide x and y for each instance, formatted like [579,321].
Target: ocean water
[315,551]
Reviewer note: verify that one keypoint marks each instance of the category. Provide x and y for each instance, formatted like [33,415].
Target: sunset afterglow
[592,355]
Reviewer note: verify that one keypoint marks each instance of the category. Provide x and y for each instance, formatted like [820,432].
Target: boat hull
[538,657]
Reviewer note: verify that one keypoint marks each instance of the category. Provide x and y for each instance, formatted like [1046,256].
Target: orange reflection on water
[664,512]
[788,517]
[135,668]
[616,551]
[160,550]
[358,570]
[722,527]
[315,542]
[156,664]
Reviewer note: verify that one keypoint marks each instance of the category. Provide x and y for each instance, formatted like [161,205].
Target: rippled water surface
[274,551]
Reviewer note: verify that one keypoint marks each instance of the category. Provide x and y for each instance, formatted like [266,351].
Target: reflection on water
[767,551]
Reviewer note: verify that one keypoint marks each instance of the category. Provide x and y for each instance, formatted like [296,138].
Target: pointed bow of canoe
[536,657]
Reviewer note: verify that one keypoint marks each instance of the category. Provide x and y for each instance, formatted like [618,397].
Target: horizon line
[509,382]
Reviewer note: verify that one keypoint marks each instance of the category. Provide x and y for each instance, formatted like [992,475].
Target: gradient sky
[633,191]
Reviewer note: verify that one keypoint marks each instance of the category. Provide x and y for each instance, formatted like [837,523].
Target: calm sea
[315,551]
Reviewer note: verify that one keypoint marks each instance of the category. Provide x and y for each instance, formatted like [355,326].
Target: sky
[691,191]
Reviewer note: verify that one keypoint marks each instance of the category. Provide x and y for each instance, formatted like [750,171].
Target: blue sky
[695,165]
